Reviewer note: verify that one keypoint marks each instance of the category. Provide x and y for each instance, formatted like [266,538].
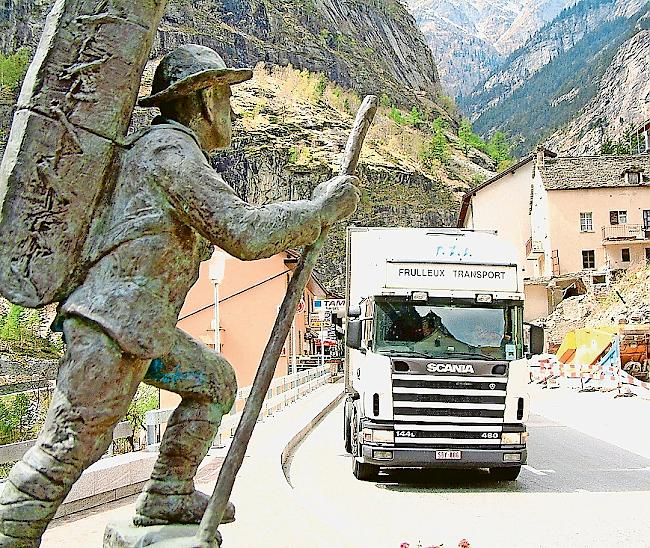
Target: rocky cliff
[470,38]
[290,136]
[621,102]
[553,77]
[372,46]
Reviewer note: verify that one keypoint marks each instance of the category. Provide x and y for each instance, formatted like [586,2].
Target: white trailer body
[435,367]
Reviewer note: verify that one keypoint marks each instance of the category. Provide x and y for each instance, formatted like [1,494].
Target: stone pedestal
[123,534]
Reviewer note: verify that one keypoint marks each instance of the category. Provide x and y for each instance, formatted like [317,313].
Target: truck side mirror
[354,311]
[536,339]
[353,334]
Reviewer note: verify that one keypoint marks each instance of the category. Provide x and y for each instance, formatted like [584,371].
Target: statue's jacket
[146,246]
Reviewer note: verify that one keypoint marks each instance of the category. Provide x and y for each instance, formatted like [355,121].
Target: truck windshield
[448,331]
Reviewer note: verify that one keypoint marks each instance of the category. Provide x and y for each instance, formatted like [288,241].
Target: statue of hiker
[153,221]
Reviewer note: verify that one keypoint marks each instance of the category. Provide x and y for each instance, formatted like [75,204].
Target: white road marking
[644,469]
[534,470]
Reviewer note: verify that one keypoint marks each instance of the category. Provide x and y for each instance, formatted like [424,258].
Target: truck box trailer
[435,366]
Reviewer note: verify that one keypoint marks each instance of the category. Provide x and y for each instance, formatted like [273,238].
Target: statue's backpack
[72,115]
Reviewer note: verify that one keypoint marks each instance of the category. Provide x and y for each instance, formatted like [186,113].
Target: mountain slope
[622,100]
[530,18]
[552,40]
[470,37]
[372,46]
[540,102]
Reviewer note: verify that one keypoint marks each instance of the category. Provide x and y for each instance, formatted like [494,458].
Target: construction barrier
[607,369]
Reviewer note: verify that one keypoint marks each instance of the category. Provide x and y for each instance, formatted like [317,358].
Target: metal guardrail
[283,392]
[13,452]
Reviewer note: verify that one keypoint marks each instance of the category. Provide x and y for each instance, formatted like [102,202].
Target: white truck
[436,368]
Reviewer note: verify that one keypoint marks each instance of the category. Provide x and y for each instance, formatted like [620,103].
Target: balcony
[625,233]
[534,248]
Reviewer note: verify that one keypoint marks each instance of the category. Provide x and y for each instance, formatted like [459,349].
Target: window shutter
[613,217]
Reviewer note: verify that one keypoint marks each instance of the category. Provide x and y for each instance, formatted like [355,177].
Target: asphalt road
[576,491]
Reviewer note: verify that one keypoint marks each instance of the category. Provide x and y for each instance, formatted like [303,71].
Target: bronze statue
[164,208]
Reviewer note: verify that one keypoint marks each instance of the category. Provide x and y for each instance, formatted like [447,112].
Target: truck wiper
[472,354]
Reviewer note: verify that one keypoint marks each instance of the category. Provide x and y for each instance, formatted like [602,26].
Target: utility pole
[216,273]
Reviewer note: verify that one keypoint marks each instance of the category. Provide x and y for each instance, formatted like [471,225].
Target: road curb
[287,452]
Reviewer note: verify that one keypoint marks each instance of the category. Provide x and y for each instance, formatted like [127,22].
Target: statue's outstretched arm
[207,203]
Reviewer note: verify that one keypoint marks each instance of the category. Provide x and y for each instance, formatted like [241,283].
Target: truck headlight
[378,436]
[511,438]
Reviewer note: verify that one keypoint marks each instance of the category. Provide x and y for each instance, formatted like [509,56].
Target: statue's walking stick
[233,461]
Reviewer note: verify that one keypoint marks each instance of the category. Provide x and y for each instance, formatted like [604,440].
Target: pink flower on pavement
[463,543]
[404,545]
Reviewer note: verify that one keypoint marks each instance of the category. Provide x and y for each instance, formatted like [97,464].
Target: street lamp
[216,273]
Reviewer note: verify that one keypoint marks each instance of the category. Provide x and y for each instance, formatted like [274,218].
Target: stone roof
[570,173]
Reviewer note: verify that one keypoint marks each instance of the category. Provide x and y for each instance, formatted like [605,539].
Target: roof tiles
[571,173]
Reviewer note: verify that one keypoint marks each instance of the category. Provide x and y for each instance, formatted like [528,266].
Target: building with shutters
[569,216]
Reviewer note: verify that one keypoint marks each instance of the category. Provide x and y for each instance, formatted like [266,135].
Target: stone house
[575,220]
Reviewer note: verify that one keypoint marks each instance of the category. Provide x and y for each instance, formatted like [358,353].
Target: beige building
[249,297]
[584,215]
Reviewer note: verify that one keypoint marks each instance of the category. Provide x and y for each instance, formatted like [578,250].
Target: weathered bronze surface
[73,110]
[118,233]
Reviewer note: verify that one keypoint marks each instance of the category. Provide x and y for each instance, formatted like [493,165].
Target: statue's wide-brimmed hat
[188,69]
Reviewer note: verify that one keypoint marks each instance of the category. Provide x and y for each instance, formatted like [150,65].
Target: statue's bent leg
[95,385]
[207,384]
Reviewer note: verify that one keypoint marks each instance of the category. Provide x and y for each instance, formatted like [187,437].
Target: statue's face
[218,132]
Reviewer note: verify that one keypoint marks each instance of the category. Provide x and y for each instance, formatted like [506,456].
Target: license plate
[448,455]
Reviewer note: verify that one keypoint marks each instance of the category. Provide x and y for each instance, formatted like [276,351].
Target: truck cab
[436,372]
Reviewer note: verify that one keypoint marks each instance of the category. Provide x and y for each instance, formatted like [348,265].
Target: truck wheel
[364,471]
[508,473]
[347,427]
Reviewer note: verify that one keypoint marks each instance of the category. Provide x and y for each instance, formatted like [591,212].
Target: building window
[647,254]
[633,178]
[586,222]
[588,259]
[625,254]
[617,217]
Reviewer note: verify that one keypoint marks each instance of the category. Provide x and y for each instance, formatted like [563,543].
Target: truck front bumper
[426,458]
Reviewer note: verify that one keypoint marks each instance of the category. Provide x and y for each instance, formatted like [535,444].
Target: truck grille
[448,411]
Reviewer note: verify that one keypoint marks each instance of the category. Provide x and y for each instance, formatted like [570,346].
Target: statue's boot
[207,384]
[158,509]
[170,496]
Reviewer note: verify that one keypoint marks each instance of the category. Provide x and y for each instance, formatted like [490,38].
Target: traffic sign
[333,305]
[319,320]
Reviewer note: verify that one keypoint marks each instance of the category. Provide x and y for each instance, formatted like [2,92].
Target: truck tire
[364,471]
[347,429]
[507,473]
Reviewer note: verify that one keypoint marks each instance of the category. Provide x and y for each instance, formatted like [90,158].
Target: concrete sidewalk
[620,421]
[267,512]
